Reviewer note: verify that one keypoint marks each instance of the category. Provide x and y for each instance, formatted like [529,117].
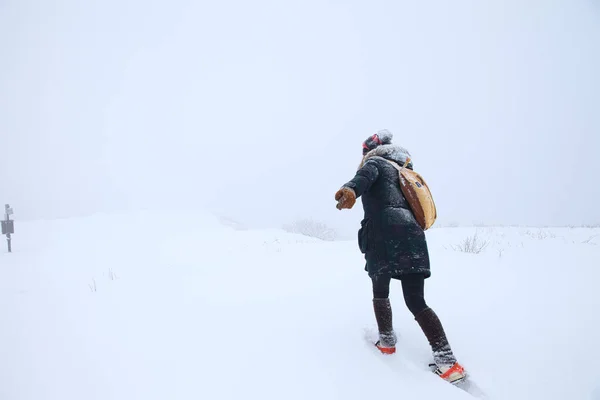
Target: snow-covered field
[144,306]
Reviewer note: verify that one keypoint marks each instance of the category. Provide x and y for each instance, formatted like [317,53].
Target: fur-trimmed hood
[391,152]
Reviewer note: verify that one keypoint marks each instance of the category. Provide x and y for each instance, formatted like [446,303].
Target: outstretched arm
[355,188]
[364,178]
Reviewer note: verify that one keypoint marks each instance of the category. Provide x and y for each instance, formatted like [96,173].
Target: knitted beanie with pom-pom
[381,137]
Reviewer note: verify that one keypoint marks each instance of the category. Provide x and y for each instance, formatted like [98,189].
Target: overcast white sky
[257,109]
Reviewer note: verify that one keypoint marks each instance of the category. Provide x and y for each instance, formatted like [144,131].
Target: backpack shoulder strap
[396,165]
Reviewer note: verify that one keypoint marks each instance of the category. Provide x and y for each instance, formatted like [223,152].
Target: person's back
[395,247]
[390,237]
[384,201]
[385,191]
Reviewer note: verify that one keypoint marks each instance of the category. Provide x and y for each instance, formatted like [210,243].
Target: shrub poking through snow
[111,275]
[541,234]
[590,240]
[472,244]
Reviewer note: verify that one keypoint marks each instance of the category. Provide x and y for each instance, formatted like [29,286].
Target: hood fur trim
[389,151]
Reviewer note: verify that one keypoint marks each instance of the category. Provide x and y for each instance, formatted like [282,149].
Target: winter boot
[387,337]
[447,367]
[453,374]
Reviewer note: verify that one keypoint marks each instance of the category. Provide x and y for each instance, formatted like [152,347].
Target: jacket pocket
[363,236]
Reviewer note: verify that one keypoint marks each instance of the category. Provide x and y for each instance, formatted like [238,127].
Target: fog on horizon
[257,110]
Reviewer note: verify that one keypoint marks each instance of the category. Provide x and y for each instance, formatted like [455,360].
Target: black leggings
[412,289]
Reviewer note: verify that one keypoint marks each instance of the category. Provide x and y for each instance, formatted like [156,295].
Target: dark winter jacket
[393,242]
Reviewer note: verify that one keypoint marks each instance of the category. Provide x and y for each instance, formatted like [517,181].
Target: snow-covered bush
[309,227]
[232,223]
[472,244]
[541,234]
[591,226]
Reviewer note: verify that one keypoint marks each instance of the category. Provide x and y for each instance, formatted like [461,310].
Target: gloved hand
[346,198]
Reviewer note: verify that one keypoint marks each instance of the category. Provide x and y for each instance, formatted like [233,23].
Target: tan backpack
[417,194]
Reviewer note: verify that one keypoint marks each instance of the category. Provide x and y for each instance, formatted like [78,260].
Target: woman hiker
[395,247]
